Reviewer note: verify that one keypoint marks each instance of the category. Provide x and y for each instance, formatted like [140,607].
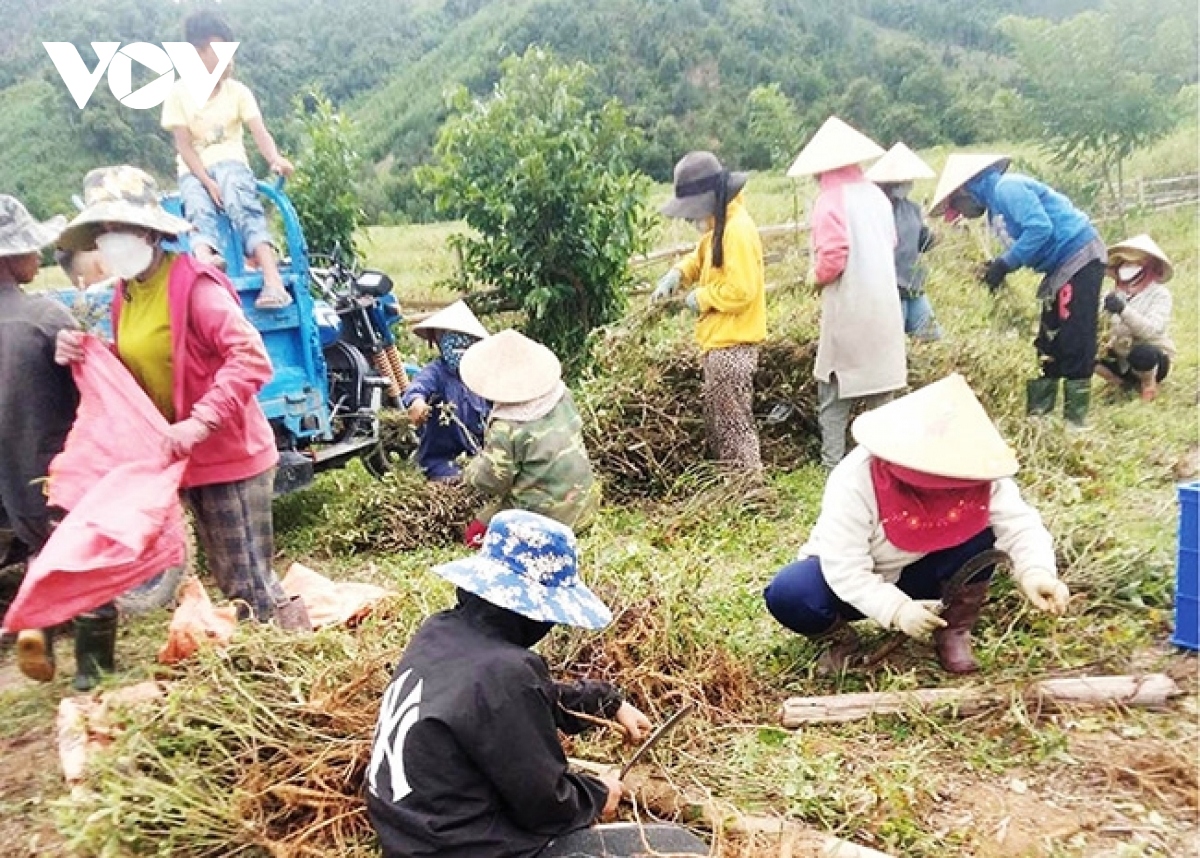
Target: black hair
[201,28]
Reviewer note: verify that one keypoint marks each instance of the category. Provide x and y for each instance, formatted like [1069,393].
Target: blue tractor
[333,349]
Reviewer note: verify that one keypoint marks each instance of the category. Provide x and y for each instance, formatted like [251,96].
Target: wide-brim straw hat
[962,167]
[692,200]
[457,317]
[835,145]
[940,429]
[123,195]
[899,165]
[528,564]
[21,233]
[509,368]
[1135,249]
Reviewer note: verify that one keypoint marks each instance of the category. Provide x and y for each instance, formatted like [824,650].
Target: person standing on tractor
[901,515]
[1139,350]
[533,456]
[450,418]
[1044,231]
[214,170]
[895,173]
[861,354]
[38,400]
[179,329]
[728,295]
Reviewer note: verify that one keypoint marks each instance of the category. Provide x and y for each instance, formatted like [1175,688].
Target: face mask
[451,346]
[1128,273]
[967,206]
[125,254]
[900,191]
[701,225]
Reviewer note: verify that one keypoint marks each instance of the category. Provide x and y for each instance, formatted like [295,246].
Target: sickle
[656,736]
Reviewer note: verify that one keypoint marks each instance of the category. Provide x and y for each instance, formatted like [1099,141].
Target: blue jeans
[239,199]
[918,318]
[800,599]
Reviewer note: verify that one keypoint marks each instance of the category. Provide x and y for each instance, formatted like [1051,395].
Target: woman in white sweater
[1139,350]
[928,488]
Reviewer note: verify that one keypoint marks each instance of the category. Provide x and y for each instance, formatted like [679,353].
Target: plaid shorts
[235,531]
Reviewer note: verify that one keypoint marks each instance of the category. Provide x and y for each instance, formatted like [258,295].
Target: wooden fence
[1154,195]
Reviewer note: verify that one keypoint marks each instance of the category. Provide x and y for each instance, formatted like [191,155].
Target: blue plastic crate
[1187,569]
[1187,622]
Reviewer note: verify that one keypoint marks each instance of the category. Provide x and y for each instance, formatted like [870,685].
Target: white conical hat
[456,317]
[900,164]
[962,167]
[834,145]
[940,429]
[1132,249]
[508,368]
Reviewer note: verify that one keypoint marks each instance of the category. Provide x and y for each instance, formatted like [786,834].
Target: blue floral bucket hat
[528,564]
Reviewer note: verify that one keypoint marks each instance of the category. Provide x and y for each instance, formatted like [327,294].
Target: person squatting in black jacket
[466,761]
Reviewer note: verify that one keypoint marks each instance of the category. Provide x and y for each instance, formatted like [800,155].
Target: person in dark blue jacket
[450,418]
[1045,232]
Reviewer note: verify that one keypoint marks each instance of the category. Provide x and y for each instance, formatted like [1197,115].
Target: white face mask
[1126,273]
[125,255]
[700,225]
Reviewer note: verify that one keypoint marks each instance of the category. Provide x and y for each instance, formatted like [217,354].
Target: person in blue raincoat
[1044,231]
[450,418]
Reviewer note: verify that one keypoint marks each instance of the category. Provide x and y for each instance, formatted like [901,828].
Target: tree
[769,129]
[1089,93]
[542,173]
[323,187]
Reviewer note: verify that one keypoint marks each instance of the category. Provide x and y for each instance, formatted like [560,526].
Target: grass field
[685,574]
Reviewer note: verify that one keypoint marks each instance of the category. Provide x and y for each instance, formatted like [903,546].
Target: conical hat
[940,429]
[834,145]
[508,368]
[456,317]
[962,167]
[1132,249]
[900,164]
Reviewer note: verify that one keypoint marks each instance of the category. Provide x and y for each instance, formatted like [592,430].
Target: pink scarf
[925,513]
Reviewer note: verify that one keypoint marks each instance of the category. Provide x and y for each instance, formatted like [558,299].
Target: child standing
[214,169]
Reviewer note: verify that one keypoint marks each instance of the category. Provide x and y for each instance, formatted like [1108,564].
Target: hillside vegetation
[747,78]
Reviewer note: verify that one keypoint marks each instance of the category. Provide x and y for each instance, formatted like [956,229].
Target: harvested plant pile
[259,750]
[354,513]
[643,409]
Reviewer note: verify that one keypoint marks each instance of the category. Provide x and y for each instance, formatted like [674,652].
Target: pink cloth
[124,523]
[220,365]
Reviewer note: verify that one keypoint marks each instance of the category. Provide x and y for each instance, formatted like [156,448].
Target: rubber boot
[841,645]
[35,654]
[1077,396]
[292,615]
[95,645]
[953,643]
[1040,396]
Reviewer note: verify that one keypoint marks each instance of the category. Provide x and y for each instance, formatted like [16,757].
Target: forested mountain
[749,78]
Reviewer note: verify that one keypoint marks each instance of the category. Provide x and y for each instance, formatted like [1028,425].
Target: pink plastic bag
[124,523]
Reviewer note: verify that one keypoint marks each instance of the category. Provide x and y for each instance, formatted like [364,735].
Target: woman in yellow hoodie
[728,294]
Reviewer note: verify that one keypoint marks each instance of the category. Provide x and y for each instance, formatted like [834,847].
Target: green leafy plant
[541,171]
[323,188]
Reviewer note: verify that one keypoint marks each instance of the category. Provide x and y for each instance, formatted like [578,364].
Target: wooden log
[1144,691]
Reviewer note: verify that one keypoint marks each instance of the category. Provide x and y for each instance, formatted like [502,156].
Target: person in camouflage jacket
[533,457]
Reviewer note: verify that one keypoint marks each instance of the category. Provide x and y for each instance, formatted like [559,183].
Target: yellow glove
[1045,591]
[917,618]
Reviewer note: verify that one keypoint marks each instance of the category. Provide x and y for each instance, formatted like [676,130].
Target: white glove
[1045,591]
[917,618]
[667,284]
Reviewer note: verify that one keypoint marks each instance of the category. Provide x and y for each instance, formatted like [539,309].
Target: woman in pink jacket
[861,354]
[179,328]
